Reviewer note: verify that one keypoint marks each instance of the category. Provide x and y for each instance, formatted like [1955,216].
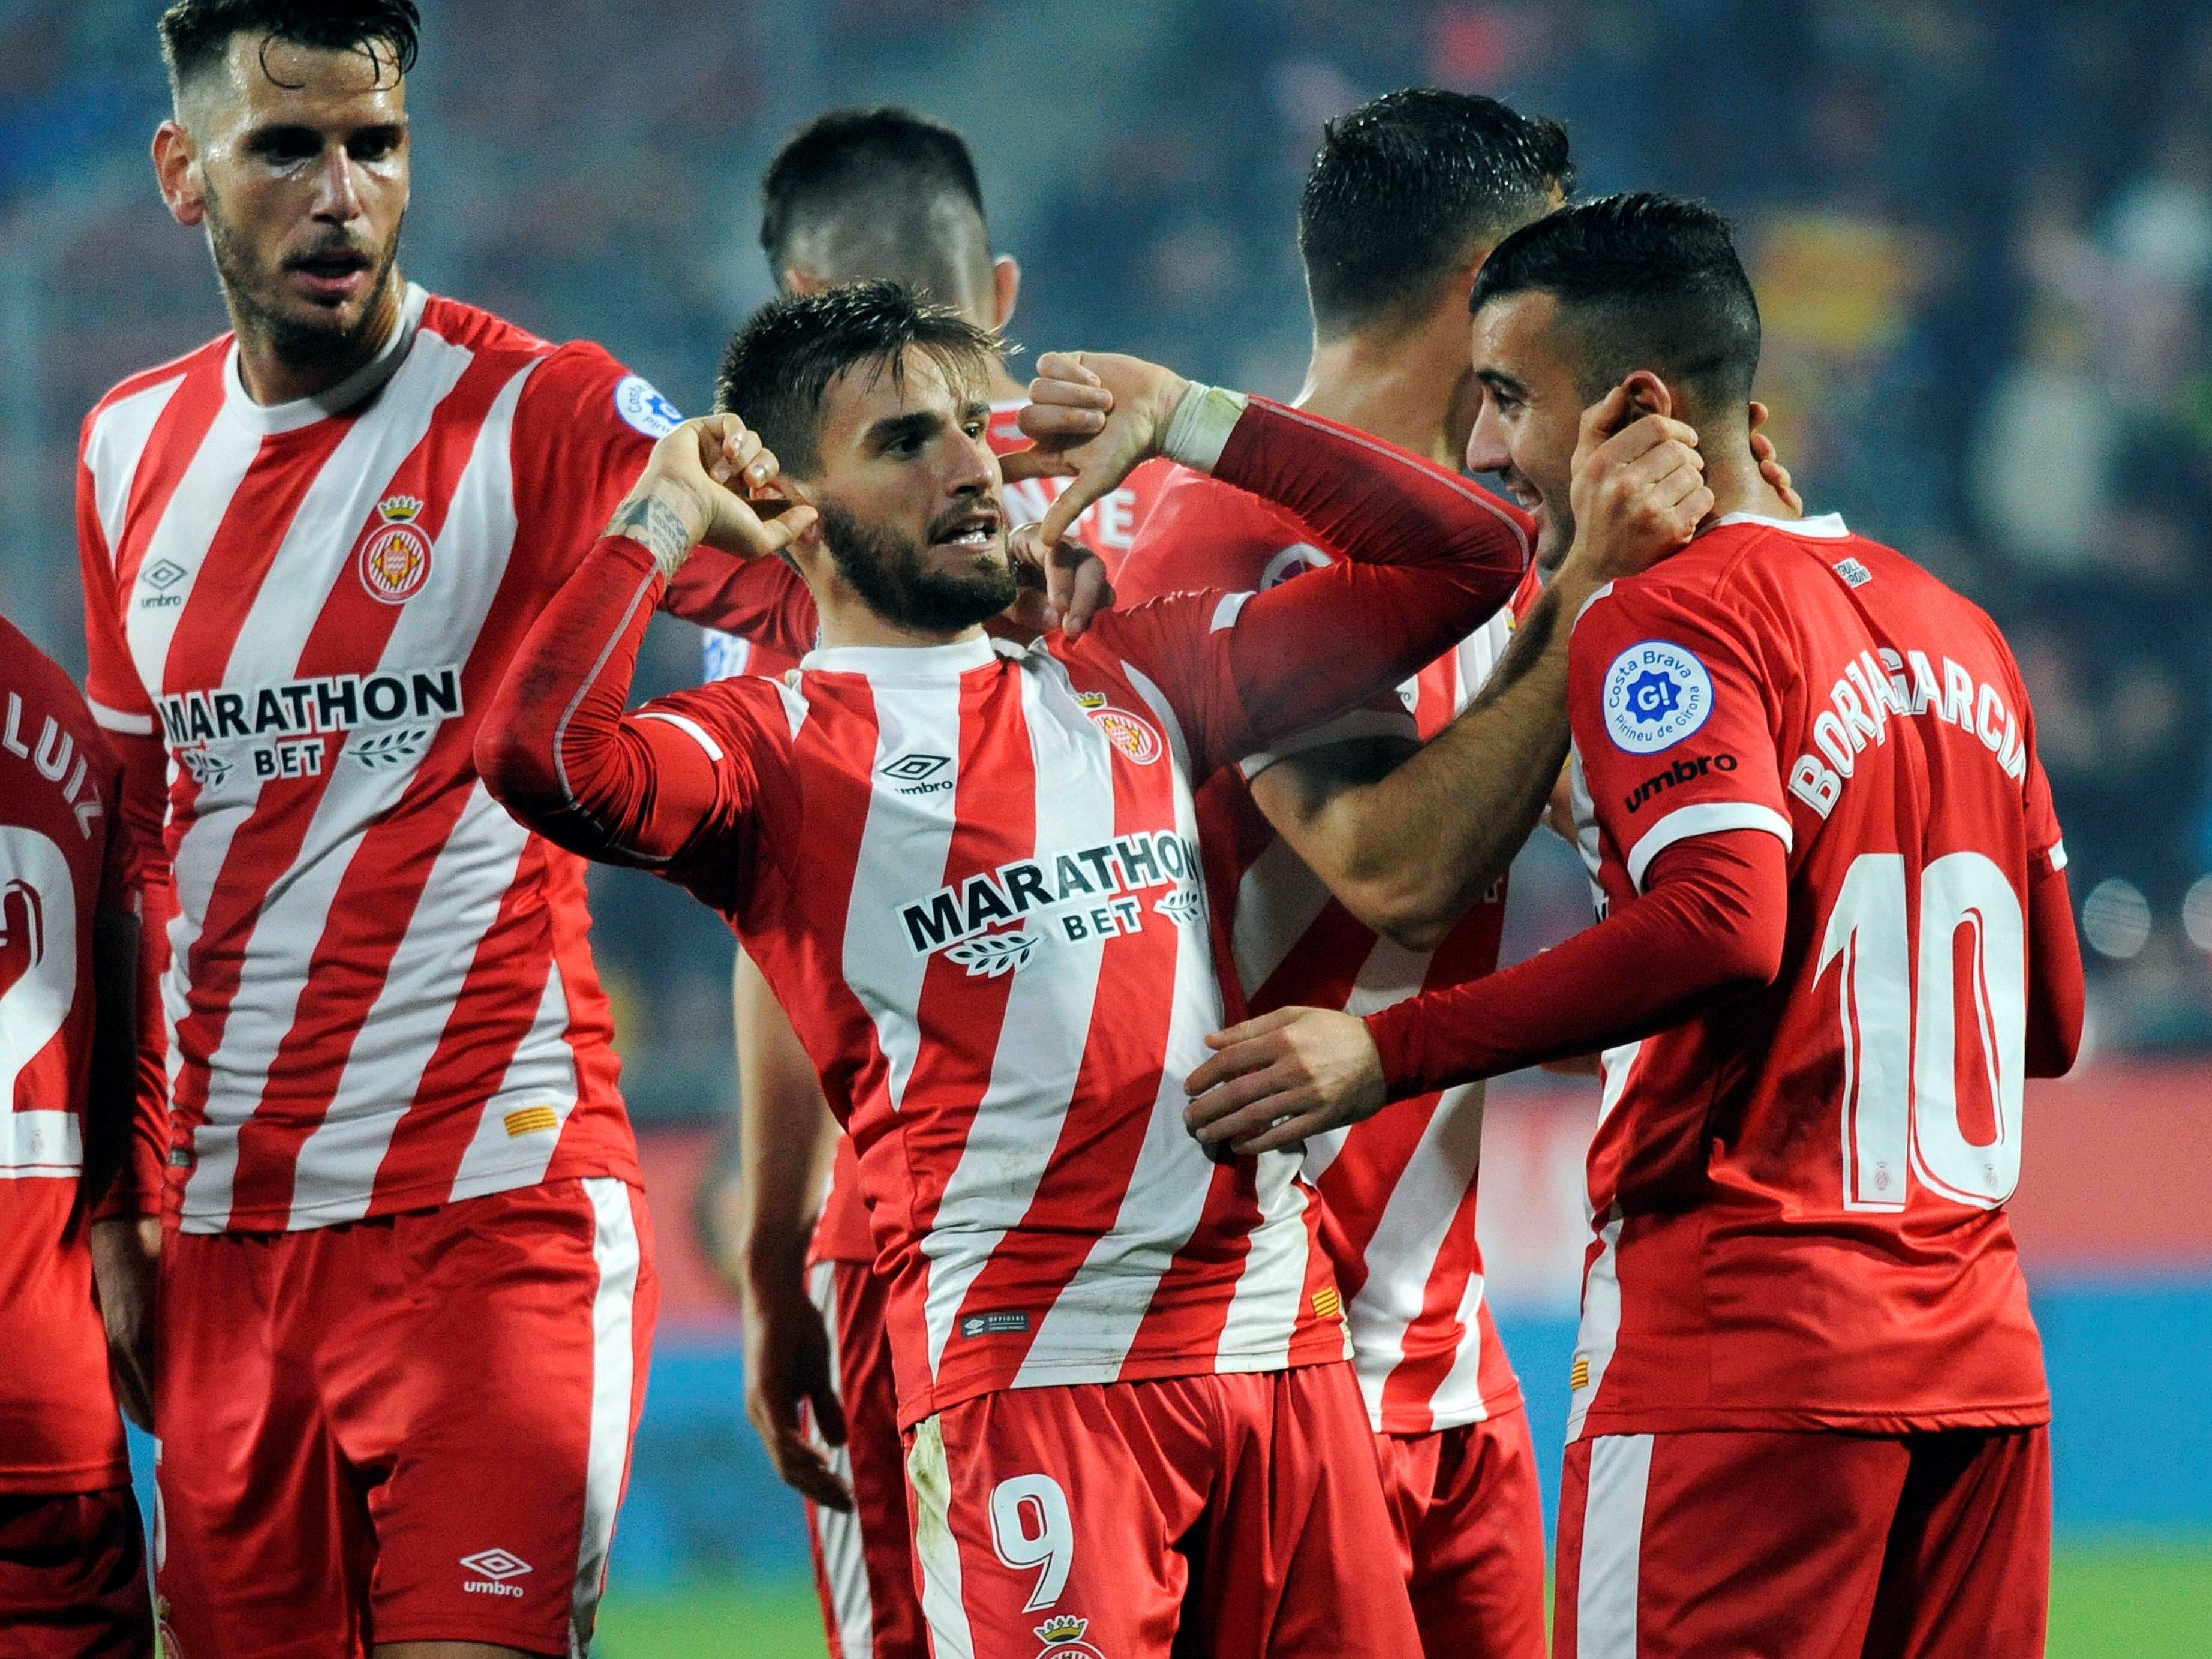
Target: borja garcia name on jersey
[280,729]
[1091,892]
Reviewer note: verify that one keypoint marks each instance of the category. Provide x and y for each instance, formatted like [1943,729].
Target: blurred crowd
[1981,231]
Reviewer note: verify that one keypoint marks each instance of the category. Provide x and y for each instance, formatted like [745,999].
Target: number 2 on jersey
[1901,1028]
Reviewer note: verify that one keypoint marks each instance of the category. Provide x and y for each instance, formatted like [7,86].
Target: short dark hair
[195,34]
[1407,187]
[867,194]
[1644,281]
[779,364]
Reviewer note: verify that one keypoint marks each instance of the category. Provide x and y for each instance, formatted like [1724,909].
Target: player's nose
[337,189]
[1485,444]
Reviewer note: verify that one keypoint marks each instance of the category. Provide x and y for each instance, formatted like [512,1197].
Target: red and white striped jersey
[61,859]
[1398,1191]
[970,873]
[379,994]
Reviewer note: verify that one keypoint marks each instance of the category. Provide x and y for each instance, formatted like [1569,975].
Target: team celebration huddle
[1110,781]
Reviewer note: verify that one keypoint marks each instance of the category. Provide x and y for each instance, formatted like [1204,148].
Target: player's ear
[175,167]
[1005,291]
[1647,395]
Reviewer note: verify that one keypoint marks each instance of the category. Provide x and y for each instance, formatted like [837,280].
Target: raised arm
[1408,842]
[555,747]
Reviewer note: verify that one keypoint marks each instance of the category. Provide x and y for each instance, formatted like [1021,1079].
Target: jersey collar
[1828,526]
[916,663]
[348,393]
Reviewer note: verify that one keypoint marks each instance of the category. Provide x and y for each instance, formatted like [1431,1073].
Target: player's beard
[318,343]
[890,572]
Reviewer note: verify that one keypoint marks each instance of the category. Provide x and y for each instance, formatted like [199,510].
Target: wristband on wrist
[1202,423]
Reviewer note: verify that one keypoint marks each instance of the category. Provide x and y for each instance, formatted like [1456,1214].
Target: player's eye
[288,148]
[373,147]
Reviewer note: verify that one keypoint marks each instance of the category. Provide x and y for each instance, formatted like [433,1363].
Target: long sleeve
[556,749]
[1426,558]
[1713,914]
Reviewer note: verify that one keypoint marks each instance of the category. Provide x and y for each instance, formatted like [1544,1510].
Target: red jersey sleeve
[1674,719]
[1425,558]
[118,697]
[1205,534]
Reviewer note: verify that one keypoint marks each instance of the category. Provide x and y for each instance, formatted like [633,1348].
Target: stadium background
[1982,236]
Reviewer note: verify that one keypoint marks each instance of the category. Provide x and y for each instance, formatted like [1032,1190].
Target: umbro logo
[492,1568]
[916,773]
[159,577]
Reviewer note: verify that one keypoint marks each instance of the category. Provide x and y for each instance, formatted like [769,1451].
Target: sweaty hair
[862,195]
[1642,281]
[196,33]
[1408,187]
[779,364]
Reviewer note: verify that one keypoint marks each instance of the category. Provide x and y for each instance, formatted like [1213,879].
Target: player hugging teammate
[1086,935]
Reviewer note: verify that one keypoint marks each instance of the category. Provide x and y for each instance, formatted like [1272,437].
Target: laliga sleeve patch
[638,404]
[1657,694]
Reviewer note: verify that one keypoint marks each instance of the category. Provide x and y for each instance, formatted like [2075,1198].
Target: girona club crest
[1133,734]
[395,554]
[1063,1639]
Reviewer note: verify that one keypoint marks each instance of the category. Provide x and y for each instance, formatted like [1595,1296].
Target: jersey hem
[1720,1420]
[1489,1408]
[70,1480]
[434,1196]
[1074,1373]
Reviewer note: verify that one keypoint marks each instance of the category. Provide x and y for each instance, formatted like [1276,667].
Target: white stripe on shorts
[1613,1547]
[838,1536]
[615,1248]
[935,1548]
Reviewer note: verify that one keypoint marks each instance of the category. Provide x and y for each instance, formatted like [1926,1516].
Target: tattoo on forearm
[658,527]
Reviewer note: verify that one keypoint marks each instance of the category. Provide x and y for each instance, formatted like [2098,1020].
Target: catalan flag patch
[529,1120]
[1579,1378]
[1326,1304]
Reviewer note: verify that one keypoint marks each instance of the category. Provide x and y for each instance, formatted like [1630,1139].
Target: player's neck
[846,620]
[272,378]
[1397,385]
[1738,486]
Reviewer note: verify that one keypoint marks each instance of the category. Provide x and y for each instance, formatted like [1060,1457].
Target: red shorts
[864,1560]
[1919,1546]
[1470,1517]
[1241,1511]
[73,1577]
[410,1429]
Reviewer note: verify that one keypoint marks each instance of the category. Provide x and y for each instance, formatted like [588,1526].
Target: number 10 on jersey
[1904,1020]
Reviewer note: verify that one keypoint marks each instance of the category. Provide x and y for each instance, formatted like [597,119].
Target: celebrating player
[1810,1404]
[969,870]
[1405,200]
[405,1320]
[856,195]
[72,1546]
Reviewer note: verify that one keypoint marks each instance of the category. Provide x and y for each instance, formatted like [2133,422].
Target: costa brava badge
[395,554]
[1657,694]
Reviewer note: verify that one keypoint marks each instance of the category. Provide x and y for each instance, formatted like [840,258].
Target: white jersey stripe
[39,1143]
[915,717]
[1608,1575]
[1045,1029]
[512,1145]
[614,1362]
[118,720]
[1600,1326]
[112,450]
[1277,900]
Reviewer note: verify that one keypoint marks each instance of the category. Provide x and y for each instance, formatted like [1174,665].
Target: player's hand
[1769,464]
[787,1365]
[703,486]
[1639,489]
[1063,585]
[1095,415]
[1283,1078]
[126,1255]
